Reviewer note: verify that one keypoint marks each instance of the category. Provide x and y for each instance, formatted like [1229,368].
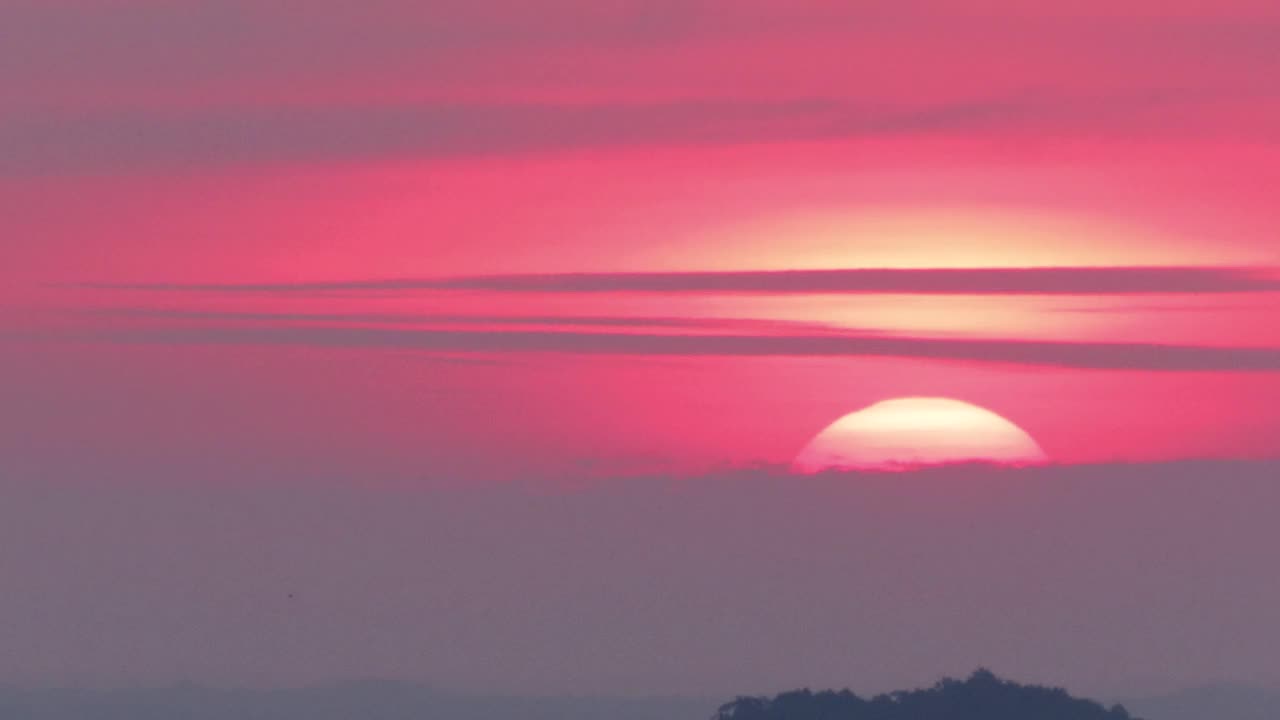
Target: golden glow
[944,238]
[913,432]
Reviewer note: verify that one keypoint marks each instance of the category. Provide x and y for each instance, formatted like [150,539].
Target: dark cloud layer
[1082,355]
[620,321]
[976,281]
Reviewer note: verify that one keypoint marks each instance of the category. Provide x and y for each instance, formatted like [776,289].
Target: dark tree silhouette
[982,697]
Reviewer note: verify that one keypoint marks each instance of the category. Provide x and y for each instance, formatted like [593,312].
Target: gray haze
[1112,580]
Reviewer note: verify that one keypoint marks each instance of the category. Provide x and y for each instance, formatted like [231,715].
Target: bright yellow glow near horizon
[944,238]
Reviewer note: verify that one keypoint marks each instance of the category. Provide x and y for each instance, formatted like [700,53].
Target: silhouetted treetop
[982,697]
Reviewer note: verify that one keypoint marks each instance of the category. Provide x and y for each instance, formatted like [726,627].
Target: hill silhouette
[982,697]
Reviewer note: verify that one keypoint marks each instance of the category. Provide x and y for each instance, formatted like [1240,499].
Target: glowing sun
[916,432]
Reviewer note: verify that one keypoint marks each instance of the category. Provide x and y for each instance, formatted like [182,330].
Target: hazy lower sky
[1111,580]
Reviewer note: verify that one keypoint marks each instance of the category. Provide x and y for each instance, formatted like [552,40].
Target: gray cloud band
[980,281]
[1081,355]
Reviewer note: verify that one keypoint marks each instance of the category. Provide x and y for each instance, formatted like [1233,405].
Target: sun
[906,433]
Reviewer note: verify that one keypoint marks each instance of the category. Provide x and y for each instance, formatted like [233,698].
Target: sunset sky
[524,288]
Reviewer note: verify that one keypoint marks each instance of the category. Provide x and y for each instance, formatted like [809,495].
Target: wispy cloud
[110,87]
[420,319]
[164,141]
[1082,355]
[976,281]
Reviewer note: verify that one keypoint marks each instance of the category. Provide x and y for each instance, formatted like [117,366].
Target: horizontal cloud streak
[166,141]
[1082,355]
[621,321]
[959,281]
[175,141]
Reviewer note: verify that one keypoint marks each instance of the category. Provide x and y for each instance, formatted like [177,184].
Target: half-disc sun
[916,432]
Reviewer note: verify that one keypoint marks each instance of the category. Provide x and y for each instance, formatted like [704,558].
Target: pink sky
[401,242]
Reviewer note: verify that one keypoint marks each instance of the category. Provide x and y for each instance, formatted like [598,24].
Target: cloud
[1082,355]
[127,43]
[176,140]
[621,321]
[146,86]
[167,141]
[965,281]
[1111,309]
